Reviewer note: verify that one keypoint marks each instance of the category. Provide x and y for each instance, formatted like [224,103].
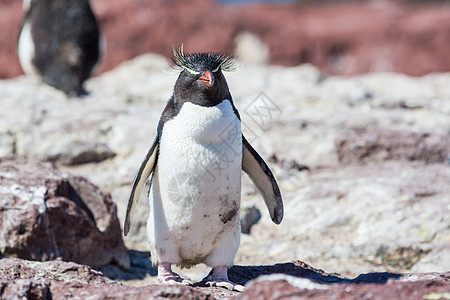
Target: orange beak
[207,79]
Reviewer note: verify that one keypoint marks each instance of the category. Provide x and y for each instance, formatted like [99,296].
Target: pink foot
[219,278]
[167,277]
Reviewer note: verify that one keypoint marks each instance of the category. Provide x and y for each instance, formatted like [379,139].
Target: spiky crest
[196,62]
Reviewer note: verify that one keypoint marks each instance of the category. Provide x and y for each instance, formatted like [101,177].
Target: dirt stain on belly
[230,209]
[225,218]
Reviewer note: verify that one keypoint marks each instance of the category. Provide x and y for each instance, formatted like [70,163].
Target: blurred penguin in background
[59,41]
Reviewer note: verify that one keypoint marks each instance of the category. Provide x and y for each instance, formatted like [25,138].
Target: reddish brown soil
[341,38]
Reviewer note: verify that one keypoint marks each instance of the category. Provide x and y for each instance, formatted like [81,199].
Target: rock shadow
[141,267]
[243,274]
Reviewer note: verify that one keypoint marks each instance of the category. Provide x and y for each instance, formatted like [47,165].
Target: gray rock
[286,286]
[249,48]
[47,215]
[21,279]
[388,216]
[15,268]
[76,152]
[7,143]
[24,289]
[378,145]
[250,215]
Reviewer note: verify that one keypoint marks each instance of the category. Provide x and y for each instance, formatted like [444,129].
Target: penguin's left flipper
[147,167]
[265,182]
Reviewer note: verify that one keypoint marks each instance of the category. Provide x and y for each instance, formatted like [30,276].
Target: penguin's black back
[66,37]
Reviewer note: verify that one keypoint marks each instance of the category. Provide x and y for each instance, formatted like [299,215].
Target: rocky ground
[362,162]
[66,280]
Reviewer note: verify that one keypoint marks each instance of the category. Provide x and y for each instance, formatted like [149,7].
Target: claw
[173,280]
[167,277]
[226,284]
[219,278]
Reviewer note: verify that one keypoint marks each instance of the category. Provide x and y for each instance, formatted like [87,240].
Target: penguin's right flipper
[265,182]
[147,167]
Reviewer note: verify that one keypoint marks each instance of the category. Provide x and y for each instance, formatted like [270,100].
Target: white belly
[26,50]
[195,196]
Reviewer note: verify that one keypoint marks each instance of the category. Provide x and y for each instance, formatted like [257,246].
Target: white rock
[301,283]
[251,49]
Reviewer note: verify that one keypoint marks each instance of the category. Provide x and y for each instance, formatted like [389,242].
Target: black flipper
[265,182]
[147,167]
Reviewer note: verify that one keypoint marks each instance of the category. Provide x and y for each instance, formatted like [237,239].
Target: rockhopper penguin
[59,41]
[196,160]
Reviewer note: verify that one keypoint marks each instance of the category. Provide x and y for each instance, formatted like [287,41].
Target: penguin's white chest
[197,182]
[200,156]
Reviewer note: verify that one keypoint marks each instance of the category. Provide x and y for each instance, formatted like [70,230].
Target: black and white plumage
[59,41]
[196,160]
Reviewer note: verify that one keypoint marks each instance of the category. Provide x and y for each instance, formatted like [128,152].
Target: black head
[201,80]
